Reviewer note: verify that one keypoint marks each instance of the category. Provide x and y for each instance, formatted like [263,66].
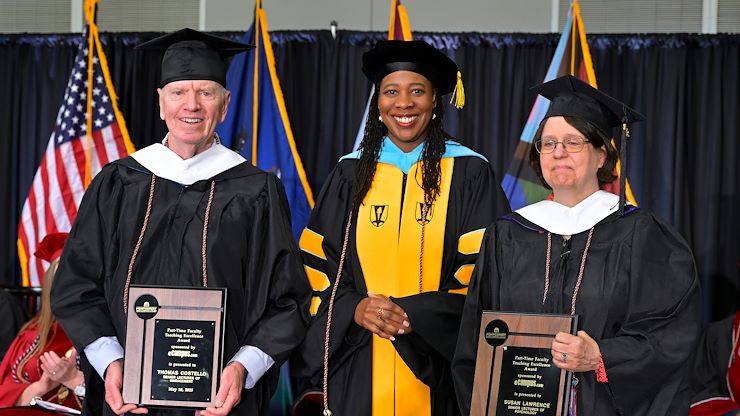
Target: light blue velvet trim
[392,155]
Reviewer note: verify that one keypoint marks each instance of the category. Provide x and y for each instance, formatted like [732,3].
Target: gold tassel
[458,94]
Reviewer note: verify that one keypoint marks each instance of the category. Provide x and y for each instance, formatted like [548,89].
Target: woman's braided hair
[372,141]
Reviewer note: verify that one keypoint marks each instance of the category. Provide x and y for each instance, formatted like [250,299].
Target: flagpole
[585,50]
[255,83]
[392,23]
[404,19]
[573,33]
[90,17]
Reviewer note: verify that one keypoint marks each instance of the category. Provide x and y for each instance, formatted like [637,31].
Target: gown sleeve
[10,390]
[282,293]
[484,278]
[663,323]
[78,293]
[15,317]
[321,248]
[435,316]
[710,393]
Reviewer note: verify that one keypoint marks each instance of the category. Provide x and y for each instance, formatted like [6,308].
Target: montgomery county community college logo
[496,332]
[146,306]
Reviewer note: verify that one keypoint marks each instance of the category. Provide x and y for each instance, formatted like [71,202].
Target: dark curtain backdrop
[683,162]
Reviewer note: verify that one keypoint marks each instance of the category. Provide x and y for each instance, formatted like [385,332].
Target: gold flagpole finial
[90,10]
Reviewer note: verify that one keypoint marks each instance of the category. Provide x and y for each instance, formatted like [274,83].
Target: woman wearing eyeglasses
[628,275]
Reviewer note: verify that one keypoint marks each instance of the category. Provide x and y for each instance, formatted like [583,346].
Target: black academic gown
[639,299]
[14,316]
[475,199]
[250,251]
[715,376]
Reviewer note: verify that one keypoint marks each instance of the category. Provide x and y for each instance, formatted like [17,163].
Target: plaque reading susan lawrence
[173,346]
[514,372]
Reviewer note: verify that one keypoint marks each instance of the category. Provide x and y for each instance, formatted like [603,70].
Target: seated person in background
[14,316]
[715,379]
[41,361]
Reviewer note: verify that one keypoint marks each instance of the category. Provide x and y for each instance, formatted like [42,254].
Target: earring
[434,116]
[380,119]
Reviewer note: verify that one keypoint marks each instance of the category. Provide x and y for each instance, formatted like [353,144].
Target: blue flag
[257,124]
[520,183]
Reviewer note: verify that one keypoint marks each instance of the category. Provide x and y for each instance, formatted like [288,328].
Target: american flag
[59,183]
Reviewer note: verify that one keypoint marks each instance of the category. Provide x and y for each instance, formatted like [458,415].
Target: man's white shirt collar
[562,220]
[165,163]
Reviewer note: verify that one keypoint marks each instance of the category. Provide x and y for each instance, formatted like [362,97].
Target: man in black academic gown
[186,212]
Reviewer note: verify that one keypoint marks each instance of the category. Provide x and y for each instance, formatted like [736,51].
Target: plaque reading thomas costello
[173,347]
[514,373]
[182,360]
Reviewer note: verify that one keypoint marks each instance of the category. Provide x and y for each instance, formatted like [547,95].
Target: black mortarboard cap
[190,54]
[571,97]
[415,55]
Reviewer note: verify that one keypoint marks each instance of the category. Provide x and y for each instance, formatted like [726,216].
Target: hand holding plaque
[113,384]
[230,391]
[577,353]
[515,373]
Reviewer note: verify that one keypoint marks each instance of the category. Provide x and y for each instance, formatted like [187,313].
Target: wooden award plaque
[514,372]
[174,338]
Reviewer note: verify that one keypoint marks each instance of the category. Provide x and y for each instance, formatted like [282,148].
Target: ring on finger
[565,357]
[380,312]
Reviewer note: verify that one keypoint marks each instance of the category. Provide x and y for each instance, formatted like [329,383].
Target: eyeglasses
[571,145]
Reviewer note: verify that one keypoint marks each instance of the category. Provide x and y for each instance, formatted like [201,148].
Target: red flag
[73,156]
